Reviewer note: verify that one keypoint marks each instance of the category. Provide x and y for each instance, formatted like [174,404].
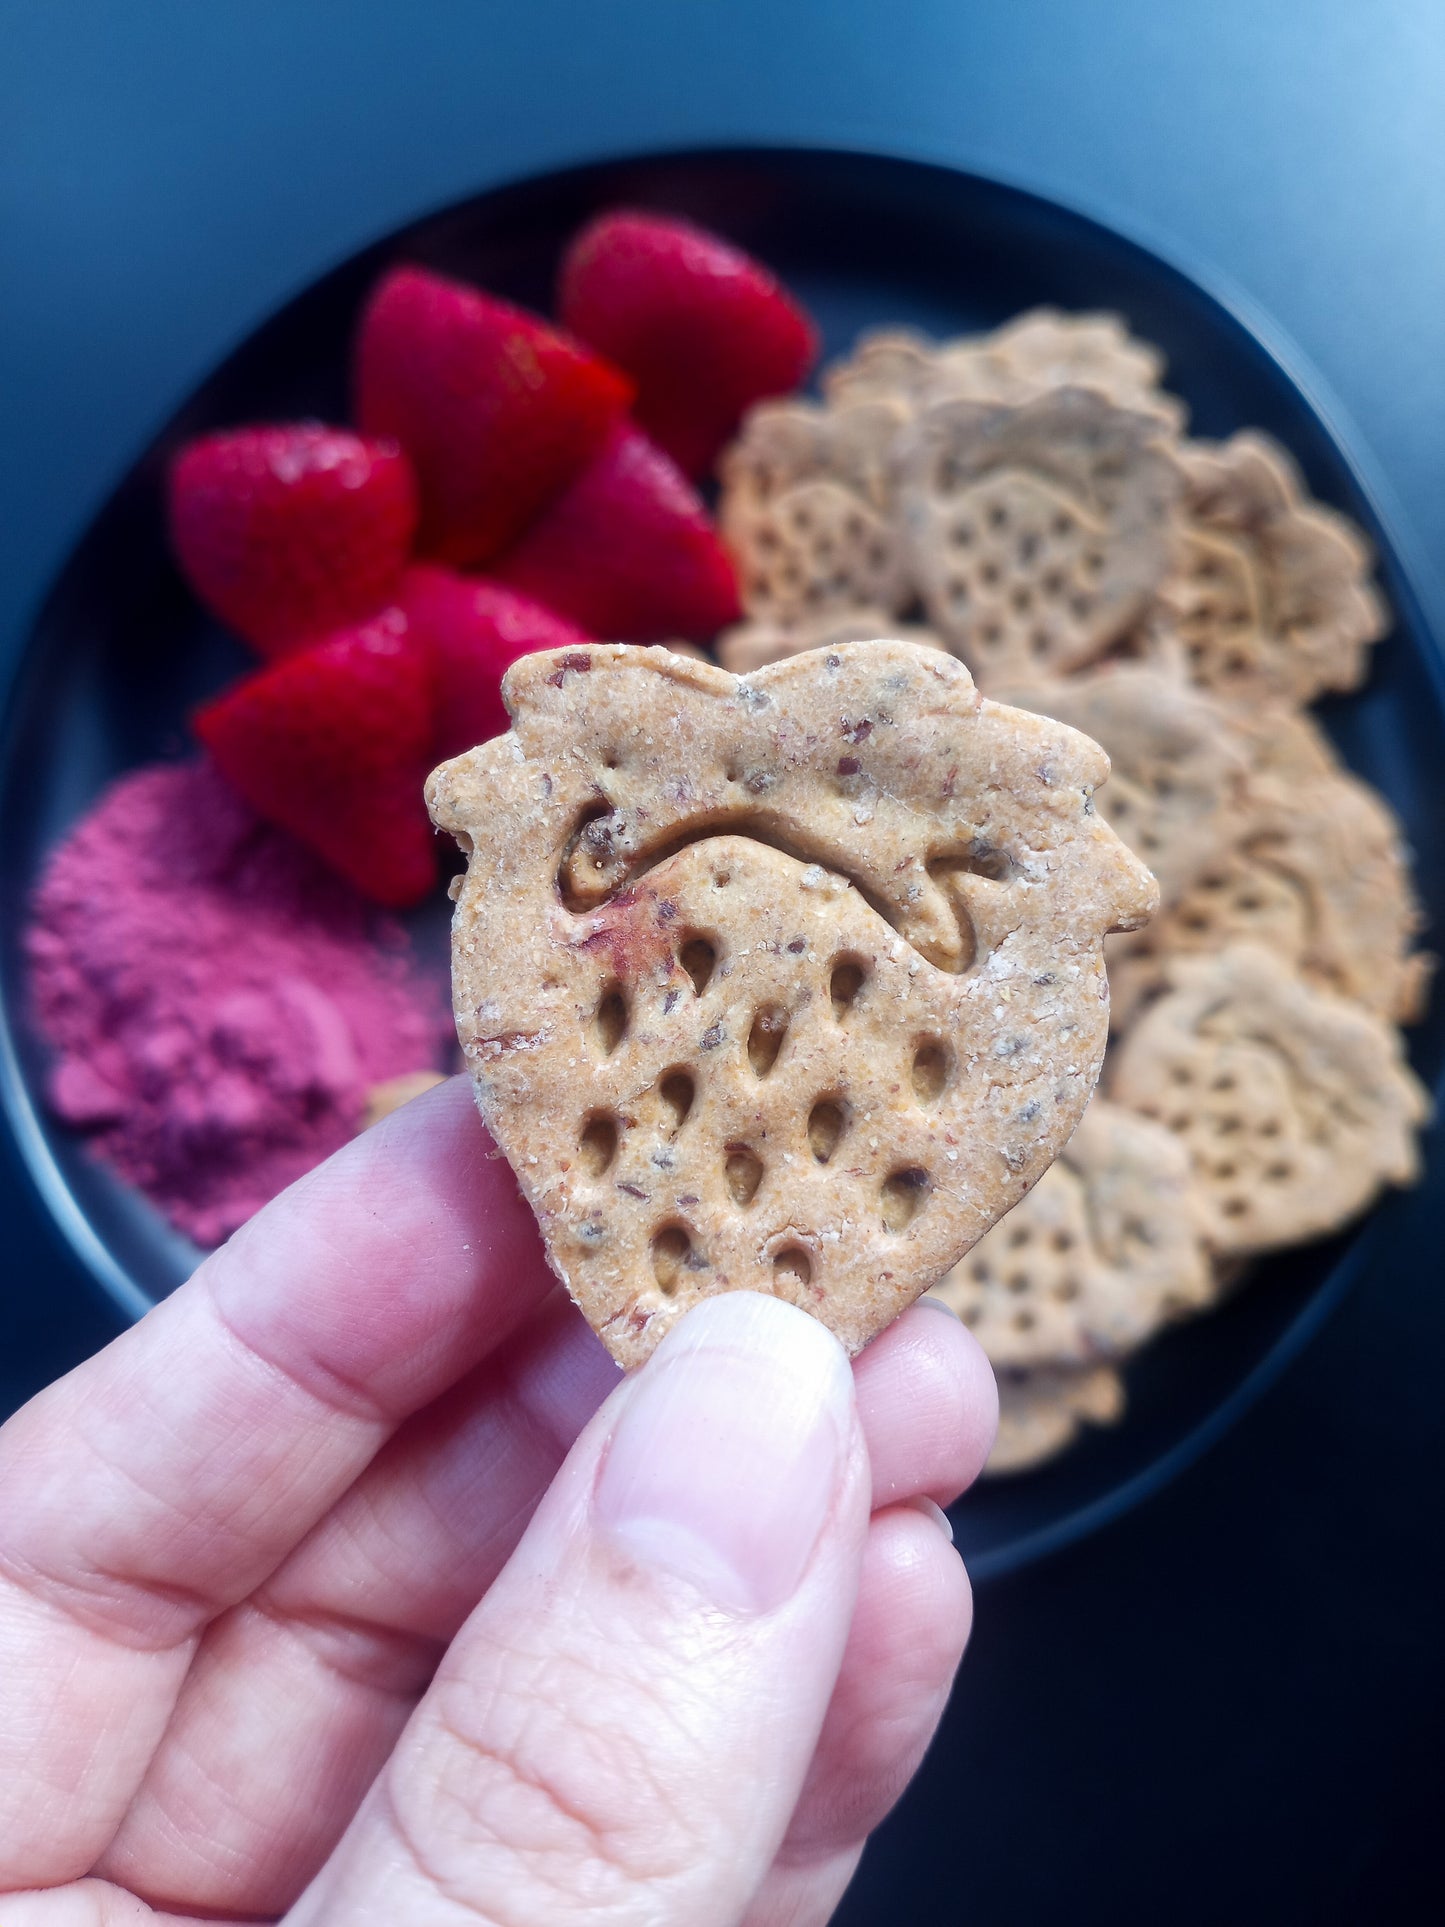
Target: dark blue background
[1228,1704]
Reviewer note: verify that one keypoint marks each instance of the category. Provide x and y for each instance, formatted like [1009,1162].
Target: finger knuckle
[560,1780]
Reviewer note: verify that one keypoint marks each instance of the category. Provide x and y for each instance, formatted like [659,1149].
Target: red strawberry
[704,328]
[287,533]
[333,743]
[628,551]
[475,630]
[497,410]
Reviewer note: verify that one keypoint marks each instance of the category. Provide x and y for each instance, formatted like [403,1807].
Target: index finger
[166,1477]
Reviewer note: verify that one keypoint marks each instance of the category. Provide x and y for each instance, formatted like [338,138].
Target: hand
[354,1582]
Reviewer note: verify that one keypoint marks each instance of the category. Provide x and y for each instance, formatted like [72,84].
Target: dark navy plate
[120,654]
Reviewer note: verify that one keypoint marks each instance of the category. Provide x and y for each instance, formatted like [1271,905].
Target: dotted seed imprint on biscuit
[1056,429]
[789,982]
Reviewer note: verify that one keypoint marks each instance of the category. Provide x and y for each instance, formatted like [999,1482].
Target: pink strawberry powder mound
[219,1002]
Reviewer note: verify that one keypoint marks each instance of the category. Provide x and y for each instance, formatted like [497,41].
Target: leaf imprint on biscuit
[589,859]
[609,851]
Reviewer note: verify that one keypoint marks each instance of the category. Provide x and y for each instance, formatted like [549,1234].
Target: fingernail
[937,1304]
[728,1451]
[931,1510]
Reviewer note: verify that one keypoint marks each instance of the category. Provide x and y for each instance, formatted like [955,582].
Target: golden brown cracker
[1176,765]
[806,509]
[1035,352]
[1271,592]
[1296,1107]
[1306,859]
[1037,533]
[787,982]
[1105,1249]
[1042,1411]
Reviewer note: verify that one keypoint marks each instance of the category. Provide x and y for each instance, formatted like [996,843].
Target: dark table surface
[1227,1705]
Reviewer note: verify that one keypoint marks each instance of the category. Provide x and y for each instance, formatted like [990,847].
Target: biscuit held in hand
[790,982]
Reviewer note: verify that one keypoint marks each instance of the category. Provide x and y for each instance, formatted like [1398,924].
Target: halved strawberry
[333,743]
[705,329]
[290,531]
[497,410]
[628,551]
[476,630]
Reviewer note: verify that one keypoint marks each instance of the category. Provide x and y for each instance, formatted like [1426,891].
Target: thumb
[621,1730]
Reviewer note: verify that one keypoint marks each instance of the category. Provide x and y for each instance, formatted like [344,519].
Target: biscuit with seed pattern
[789,982]
[1271,592]
[1296,1107]
[1037,533]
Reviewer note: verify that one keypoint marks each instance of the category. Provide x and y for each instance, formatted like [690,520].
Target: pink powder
[219,1002]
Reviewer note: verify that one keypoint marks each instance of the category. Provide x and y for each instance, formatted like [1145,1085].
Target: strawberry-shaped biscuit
[790,982]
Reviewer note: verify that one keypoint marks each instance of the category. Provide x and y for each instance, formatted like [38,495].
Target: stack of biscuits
[1029,501]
